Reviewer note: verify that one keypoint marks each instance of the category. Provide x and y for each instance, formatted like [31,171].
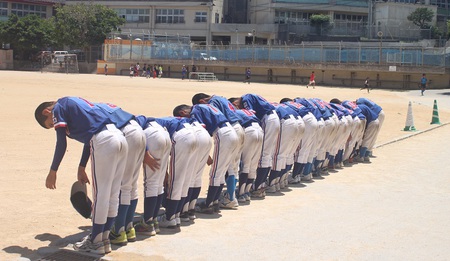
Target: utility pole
[370,18]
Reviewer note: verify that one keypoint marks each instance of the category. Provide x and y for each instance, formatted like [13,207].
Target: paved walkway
[395,208]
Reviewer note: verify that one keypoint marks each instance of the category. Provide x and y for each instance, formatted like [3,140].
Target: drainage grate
[68,255]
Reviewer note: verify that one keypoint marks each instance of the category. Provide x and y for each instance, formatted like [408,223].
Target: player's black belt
[269,112]
[247,124]
[221,125]
[287,117]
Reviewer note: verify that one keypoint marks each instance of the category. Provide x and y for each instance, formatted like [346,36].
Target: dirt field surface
[395,208]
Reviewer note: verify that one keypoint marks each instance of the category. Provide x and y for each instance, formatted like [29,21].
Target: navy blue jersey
[311,105]
[172,124]
[340,110]
[299,108]
[257,104]
[119,117]
[248,117]
[226,108]
[354,107]
[82,119]
[326,112]
[373,106]
[284,111]
[369,113]
[209,116]
[143,120]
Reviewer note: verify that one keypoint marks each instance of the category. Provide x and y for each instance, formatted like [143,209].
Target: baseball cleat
[86,245]
[147,229]
[164,222]
[118,239]
[131,235]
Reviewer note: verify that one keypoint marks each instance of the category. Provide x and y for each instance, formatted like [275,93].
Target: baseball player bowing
[228,110]
[123,230]
[251,152]
[225,148]
[184,144]
[103,140]
[158,149]
[270,124]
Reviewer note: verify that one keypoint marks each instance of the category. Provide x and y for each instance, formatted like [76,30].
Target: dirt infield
[45,220]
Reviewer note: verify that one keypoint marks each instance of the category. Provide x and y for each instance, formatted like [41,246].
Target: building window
[134,15]
[201,17]
[282,17]
[22,10]
[3,9]
[349,17]
[170,16]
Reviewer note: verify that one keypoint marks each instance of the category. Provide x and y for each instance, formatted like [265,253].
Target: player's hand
[82,176]
[50,182]
[151,162]
[209,161]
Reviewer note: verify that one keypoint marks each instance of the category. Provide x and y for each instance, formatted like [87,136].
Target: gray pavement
[395,208]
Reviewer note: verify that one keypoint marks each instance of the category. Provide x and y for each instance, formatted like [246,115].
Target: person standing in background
[312,80]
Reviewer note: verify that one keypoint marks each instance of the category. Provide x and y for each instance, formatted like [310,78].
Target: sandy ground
[394,208]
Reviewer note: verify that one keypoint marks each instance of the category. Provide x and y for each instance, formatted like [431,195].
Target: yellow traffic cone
[435,119]
[409,126]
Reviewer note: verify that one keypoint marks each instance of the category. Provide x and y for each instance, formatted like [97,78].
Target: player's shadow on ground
[275,194]
[445,93]
[56,243]
[297,185]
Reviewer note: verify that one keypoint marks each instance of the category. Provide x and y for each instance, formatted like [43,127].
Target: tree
[421,17]
[321,22]
[82,25]
[448,29]
[27,35]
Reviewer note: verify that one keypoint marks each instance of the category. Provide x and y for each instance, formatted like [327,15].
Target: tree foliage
[82,25]
[321,22]
[448,29]
[421,17]
[27,34]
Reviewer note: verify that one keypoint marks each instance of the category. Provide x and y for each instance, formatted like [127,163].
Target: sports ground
[395,208]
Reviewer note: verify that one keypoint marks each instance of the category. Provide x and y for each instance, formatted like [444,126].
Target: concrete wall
[403,78]
[6,60]
[391,19]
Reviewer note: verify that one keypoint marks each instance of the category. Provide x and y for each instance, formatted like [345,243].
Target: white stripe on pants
[252,149]
[136,148]
[159,146]
[271,127]
[204,144]
[225,144]
[109,150]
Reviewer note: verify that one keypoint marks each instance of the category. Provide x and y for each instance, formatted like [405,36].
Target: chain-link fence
[305,53]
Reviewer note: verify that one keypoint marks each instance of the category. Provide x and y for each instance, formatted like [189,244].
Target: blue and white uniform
[370,132]
[344,129]
[159,146]
[103,141]
[287,142]
[234,119]
[319,137]
[359,124]
[377,109]
[311,126]
[270,124]
[329,129]
[225,145]
[251,152]
[204,144]
[181,170]
[135,137]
